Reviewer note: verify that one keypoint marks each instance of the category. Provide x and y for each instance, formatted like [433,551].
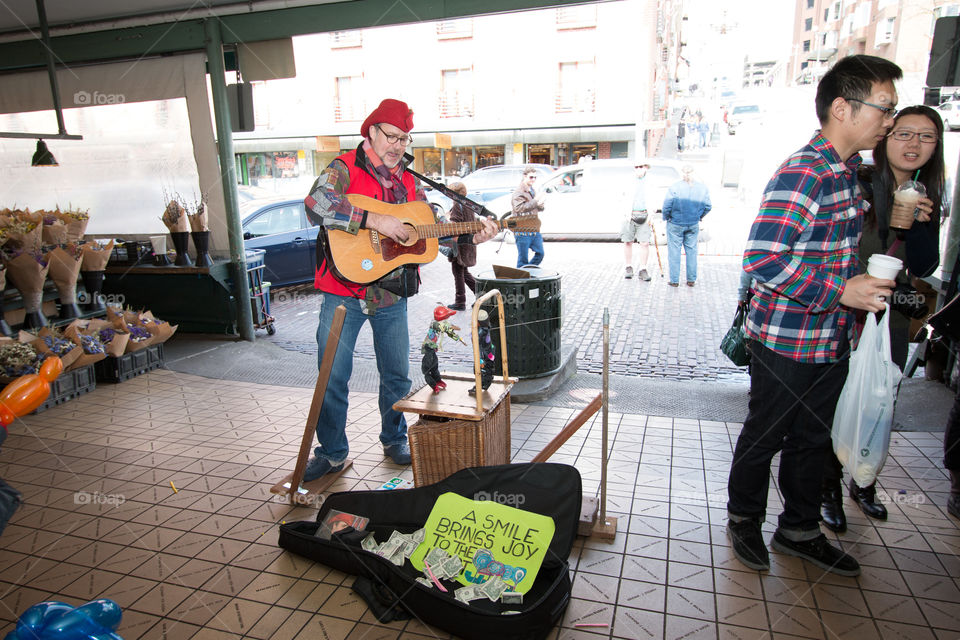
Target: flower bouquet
[175,217]
[89,342]
[114,341]
[95,258]
[54,231]
[27,269]
[51,342]
[161,329]
[23,230]
[140,336]
[18,359]
[200,233]
[76,222]
[65,262]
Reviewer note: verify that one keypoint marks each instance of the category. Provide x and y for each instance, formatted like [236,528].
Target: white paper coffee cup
[883,266]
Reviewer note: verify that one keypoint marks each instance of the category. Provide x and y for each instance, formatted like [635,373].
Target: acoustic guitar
[369,256]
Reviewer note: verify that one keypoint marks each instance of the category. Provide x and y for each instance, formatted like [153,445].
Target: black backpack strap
[383,603]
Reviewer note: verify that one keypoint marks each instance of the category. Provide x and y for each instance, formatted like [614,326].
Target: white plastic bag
[864,415]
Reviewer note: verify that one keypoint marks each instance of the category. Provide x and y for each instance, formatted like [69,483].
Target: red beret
[392,112]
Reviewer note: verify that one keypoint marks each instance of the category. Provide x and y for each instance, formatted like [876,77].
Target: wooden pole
[571,428]
[605,527]
[319,391]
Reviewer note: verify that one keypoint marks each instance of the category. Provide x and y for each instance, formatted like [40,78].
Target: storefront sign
[328,144]
[517,540]
[442,140]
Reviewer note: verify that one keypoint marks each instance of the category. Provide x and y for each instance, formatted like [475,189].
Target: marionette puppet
[487,352]
[430,366]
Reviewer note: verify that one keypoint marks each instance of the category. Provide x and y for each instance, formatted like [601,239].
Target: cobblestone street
[656,331]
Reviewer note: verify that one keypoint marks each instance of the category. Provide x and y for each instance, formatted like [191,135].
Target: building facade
[826,30]
[548,86]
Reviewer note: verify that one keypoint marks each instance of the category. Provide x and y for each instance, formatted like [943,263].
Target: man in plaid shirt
[802,252]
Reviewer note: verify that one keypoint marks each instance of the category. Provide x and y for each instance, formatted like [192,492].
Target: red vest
[365,184]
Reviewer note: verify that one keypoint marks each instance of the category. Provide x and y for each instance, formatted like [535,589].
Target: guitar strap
[464,201]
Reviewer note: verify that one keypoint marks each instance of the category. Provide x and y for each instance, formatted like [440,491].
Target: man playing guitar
[374,169]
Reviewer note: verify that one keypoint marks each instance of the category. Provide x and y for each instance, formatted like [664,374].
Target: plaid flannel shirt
[801,250]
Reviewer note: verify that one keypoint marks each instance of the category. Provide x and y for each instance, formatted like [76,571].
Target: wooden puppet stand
[457,430]
[304,492]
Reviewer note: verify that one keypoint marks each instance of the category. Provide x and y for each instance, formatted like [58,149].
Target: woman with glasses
[913,147]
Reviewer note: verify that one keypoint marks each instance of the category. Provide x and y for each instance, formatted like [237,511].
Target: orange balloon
[28,392]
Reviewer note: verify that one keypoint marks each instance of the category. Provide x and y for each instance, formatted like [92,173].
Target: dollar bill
[408,548]
[435,556]
[397,557]
[466,594]
[493,588]
[369,543]
[388,548]
[451,567]
[425,581]
[418,536]
[509,613]
[511,597]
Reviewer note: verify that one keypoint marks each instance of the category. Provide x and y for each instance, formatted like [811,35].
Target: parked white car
[950,112]
[590,201]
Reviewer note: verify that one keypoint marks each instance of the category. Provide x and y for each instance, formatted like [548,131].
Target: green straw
[916,176]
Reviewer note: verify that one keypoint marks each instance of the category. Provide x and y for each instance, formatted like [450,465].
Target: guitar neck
[444,229]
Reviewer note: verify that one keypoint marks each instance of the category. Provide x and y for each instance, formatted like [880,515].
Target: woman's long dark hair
[884,184]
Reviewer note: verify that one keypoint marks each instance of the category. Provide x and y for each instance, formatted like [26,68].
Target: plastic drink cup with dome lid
[905,200]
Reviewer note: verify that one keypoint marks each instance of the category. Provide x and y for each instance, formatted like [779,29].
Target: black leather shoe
[818,552]
[831,508]
[866,499]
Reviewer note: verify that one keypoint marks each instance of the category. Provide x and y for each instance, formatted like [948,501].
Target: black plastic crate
[70,385]
[130,365]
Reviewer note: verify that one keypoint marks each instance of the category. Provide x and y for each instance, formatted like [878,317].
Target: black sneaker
[748,544]
[819,552]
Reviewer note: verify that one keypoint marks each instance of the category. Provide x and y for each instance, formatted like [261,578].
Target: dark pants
[951,438]
[791,410]
[461,277]
[430,366]
[9,497]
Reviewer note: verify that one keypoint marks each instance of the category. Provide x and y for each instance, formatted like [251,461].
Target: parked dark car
[488,183]
[280,227]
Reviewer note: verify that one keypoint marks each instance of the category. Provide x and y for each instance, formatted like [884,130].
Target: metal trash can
[533,315]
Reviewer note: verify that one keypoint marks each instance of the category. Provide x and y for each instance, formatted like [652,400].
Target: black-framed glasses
[394,139]
[888,112]
[905,135]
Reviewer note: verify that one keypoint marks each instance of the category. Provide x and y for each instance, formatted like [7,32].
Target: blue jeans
[391,344]
[528,241]
[686,235]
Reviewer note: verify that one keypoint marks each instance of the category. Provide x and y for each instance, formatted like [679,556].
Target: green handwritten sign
[517,540]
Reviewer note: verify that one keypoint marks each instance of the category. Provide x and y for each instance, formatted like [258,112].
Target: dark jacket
[466,252]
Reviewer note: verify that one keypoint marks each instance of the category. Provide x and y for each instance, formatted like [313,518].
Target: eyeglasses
[888,112]
[532,176]
[392,139]
[905,135]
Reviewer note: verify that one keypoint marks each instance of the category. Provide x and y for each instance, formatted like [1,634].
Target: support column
[228,175]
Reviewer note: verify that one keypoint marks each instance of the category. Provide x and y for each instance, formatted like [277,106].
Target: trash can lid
[536,273]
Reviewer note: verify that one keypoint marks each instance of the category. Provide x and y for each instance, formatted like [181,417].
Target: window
[806,45]
[345,39]
[577,87]
[808,24]
[278,220]
[453,29]
[456,93]
[349,99]
[810,4]
[826,14]
[884,33]
[578,17]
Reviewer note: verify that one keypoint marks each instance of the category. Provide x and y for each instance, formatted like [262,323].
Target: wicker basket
[438,449]
[458,430]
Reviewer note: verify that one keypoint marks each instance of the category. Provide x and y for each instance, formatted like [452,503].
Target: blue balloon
[96,620]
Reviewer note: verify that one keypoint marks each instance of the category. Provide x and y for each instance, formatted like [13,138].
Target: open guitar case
[549,489]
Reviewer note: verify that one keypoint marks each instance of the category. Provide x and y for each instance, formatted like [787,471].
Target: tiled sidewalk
[102,519]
